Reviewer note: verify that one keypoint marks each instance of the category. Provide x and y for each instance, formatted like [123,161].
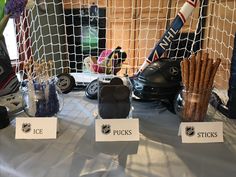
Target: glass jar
[42,99]
[191,106]
[114,97]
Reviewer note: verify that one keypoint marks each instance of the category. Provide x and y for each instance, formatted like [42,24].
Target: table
[159,153]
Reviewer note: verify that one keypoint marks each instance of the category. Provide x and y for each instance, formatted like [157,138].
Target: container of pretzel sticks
[41,96]
[198,74]
[195,105]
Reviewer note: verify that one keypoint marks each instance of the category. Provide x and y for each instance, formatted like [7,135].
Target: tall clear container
[114,97]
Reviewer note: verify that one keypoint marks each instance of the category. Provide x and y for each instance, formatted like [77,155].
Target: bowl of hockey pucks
[114,100]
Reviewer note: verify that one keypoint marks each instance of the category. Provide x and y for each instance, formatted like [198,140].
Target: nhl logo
[106,129]
[189,131]
[26,127]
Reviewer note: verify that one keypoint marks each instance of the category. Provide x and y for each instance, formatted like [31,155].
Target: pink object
[101,58]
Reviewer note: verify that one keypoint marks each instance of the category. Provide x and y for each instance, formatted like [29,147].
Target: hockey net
[67,31]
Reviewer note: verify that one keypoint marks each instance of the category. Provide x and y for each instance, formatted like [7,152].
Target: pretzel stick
[209,86]
[191,96]
[203,92]
[215,68]
[192,73]
[202,74]
[207,73]
[198,73]
[185,79]
[182,73]
[201,86]
[196,84]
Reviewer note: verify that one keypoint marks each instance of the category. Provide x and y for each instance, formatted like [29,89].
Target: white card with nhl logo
[116,130]
[201,132]
[36,128]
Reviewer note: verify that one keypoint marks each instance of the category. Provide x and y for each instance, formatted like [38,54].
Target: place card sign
[36,128]
[201,132]
[116,130]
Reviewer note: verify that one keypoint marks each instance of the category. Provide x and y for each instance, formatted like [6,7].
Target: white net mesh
[66,32]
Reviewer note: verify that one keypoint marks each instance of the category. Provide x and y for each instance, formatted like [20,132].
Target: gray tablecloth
[159,152]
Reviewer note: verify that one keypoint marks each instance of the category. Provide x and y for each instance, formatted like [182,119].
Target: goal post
[68,31]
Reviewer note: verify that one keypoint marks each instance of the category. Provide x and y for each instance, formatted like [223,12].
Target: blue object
[53,102]
[46,105]
[41,101]
[165,41]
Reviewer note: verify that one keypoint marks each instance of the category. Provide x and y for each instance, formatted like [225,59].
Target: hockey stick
[170,33]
